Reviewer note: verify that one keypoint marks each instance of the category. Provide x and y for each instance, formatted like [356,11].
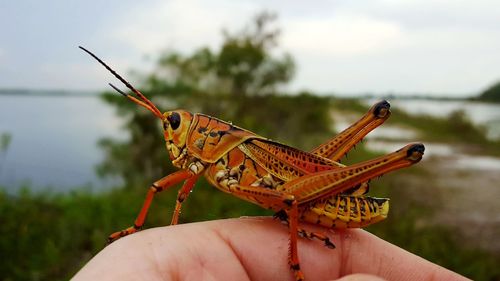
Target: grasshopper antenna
[143,101]
[118,90]
[134,99]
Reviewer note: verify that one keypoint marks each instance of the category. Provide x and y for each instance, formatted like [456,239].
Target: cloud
[344,35]
[181,25]
[184,25]
[381,45]
[87,75]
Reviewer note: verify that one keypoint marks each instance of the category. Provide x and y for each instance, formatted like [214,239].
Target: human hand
[254,249]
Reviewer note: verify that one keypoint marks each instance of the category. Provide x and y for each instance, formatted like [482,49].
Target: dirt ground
[470,203]
[466,188]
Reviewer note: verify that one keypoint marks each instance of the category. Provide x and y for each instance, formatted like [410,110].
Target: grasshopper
[297,185]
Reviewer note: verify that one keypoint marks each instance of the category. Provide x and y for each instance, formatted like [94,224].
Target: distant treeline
[48,92]
[492,94]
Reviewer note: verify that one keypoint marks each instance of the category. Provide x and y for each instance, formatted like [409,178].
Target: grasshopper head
[176,127]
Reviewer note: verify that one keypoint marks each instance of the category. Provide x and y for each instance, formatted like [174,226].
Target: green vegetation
[50,236]
[5,139]
[492,94]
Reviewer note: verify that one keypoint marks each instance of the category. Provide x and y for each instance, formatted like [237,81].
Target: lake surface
[483,114]
[54,138]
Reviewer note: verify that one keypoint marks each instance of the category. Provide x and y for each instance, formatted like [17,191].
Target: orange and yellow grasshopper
[299,186]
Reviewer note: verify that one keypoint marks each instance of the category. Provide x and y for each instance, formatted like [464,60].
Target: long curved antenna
[139,102]
[145,102]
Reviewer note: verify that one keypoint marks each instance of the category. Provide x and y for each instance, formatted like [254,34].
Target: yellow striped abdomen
[344,211]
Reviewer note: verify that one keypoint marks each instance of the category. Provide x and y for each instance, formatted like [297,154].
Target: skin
[254,249]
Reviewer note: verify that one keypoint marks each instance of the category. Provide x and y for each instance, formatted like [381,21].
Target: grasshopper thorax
[176,128]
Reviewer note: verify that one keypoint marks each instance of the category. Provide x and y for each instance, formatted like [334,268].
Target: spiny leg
[335,148]
[182,195]
[293,219]
[321,237]
[156,187]
[317,185]
[313,186]
[283,217]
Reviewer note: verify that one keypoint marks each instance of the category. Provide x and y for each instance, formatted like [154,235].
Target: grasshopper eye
[175,120]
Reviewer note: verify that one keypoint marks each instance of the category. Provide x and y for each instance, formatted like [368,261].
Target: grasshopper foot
[310,235]
[329,243]
[281,215]
[299,276]
[119,234]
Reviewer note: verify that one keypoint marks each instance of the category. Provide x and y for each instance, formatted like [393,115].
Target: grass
[49,236]
[409,226]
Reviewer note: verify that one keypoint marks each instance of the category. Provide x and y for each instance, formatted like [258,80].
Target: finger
[253,249]
[357,251]
[182,252]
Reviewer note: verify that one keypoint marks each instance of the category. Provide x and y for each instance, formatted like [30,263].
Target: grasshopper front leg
[156,187]
[182,195]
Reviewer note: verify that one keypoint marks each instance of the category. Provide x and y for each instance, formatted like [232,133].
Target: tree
[237,82]
[491,94]
[244,60]
[5,139]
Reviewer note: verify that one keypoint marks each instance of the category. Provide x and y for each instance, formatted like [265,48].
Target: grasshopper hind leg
[276,200]
[283,217]
[339,211]
[335,148]
[321,237]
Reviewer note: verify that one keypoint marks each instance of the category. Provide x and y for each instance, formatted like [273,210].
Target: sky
[432,47]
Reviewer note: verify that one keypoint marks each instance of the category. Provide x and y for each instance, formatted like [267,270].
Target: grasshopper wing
[285,162]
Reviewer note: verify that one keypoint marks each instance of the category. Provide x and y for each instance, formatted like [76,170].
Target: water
[481,114]
[456,159]
[54,137]
[484,114]
[54,140]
